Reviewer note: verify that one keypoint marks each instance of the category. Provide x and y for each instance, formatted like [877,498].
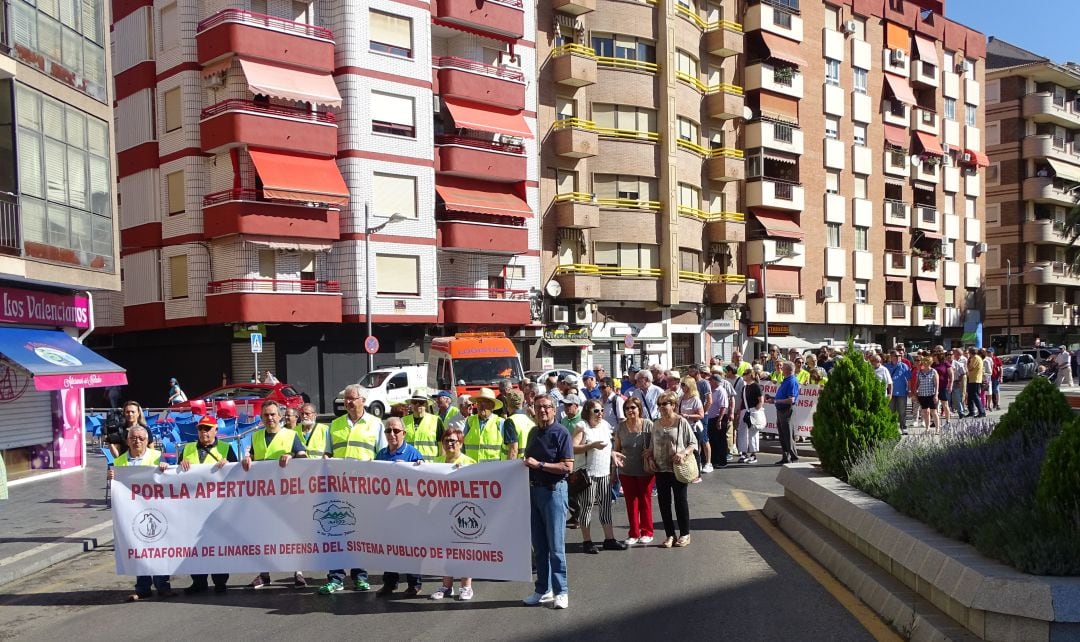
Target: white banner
[324,514]
[802,417]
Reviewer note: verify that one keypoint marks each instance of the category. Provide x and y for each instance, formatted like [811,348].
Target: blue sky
[1048,28]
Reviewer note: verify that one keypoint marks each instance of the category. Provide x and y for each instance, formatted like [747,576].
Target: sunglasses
[450,442]
[598,411]
[206,428]
[667,403]
[393,431]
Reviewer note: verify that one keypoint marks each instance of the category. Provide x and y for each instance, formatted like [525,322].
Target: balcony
[483,159]
[836,312]
[895,112]
[781,80]
[775,194]
[573,65]
[781,309]
[924,73]
[725,164]
[897,213]
[576,210]
[483,306]
[924,120]
[924,315]
[1046,231]
[692,286]
[233,123]
[1046,189]
[725,227]
[574,7]
[774,135]
[927,170]
[254,35]
[794,253]
[895,162]
[243,211]
[619,283]
[726,289]
[925,267]
[1042,107]
[273,300]
[1054,314]
[927,218]
[774,19]
[896,313]
[578,281]
[574,138]
[504,17]
[892,62]
[463,234]
[724,102]
[1051,273]
[1047,146]
[724,38]
[897,263]
[862,314]
[478,82]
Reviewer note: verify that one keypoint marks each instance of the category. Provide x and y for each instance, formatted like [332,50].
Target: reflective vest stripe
[281,444]
[422,436]
[357,442]
[220,452]
[484,444]
[315,442]
[150,458]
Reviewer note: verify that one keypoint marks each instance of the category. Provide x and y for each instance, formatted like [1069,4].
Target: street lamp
[1008,301]
[765,291]
[368,231]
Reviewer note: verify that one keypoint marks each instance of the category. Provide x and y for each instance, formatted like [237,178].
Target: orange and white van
[466,362]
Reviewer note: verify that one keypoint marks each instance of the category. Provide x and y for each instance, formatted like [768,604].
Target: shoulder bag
[687,471]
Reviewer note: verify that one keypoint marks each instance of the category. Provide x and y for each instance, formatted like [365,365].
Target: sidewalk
[48,521]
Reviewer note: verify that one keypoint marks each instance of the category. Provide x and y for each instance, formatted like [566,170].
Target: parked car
[1015,367]
[538,376]
[249,396]
[386,387]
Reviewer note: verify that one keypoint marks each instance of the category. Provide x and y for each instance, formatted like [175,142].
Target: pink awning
[900,89]
[778,224]
[486,118]
[930,143]
[290,84]
[896,136]
[783,49]
[926,291]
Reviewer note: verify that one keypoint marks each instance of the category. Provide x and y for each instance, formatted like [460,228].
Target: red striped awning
[481,197]
[978,157]
[896,136]
[926,291]
[929,143]
[900,89]
[486,118]
[783,49]
[778,224]
[294,177]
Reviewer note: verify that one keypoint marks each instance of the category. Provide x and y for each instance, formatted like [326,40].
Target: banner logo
[335,518]
[467,520]
[150,525]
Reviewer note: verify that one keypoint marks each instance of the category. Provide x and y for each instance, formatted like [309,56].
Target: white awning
[276,243]
[787,343]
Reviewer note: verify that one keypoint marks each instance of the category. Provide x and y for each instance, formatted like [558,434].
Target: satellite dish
[914,159]
[553,288]
[747,113]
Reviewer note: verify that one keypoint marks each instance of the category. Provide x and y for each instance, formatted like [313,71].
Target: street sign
[256,342]
[628,340]
[371,345]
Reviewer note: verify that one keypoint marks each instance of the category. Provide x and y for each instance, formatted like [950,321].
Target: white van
[384,387]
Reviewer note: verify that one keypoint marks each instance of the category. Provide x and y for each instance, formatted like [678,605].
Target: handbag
[578,481]
[687,471]
[648,462]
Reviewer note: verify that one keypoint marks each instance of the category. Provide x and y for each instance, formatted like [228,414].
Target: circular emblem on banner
[13,382]
[56,356]
[468,520]
[334,518]
[150,525]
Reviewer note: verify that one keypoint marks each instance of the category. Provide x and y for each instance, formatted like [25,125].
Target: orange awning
[897,37]
[896,136]
[780,280]
[783,49]
[929,143]
[980,158]
[900,89]
[777,107]
[479,197]
[926,291]
[292,177]
[778,224]
[290,84]
[486,118]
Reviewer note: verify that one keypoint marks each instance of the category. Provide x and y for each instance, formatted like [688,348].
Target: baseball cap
[571,380]
[633,369]
[587,374]
[571,399]
[442,393]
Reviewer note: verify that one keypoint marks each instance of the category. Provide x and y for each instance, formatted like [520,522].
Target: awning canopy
[930,235]
[979,158]
[568,343]
[777,107]
[778,224]
[783,49]
[929,143]
[897,136]
[788,343]
[478,197]
[278,243]
[486,118]
[58,362]
[780,158]
[926,291]
[1065,170]
[900,89]
[926,50]
[217,67]
[294,177]
[290,84]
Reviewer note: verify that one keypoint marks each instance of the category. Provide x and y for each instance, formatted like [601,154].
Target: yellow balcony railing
[574,197]
[573,48]
[691,146]
[577,268]
[573,123]
[731,279]
[607,132]
[705,152]
[702,24]
[623,63]
[711,217]
[694,277]
[697,84]
[628,204]
[618,270]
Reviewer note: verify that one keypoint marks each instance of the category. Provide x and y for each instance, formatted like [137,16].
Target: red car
[249,396]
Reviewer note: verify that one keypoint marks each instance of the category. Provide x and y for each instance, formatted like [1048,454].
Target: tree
[852,414]
[1038,412]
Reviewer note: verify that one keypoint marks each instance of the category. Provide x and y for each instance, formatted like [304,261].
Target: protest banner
[321,514]
[802,416]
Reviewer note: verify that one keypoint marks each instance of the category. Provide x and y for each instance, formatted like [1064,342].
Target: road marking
[870,620]
[44,547]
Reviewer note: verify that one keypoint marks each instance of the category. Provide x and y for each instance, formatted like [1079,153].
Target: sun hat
[489,394]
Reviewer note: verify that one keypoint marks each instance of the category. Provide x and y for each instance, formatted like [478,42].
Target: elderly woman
[818,376]
[691,409]
[671,441]
[926,390]
[451,442]
[593,439]
[752,418]
[631,438]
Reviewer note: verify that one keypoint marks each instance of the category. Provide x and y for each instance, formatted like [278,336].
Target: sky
[1044,27]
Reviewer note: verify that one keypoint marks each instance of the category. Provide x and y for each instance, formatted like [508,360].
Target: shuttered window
[394,195]
[397,274]
[170,27]
[25,420]
[267,264]
[173,116]
[178,277]
[175,188]
[392,114]
[390,34]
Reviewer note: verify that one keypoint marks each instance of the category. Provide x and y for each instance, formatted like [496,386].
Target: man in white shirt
[647,393]
[882,373]
[718,416]
[1064,370]
[613,402]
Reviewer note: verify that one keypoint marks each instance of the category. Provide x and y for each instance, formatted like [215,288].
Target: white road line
[86,533]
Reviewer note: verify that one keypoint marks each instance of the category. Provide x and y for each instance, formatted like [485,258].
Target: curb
[42,557]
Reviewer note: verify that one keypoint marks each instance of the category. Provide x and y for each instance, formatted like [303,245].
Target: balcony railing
[10,241]
[607,132]
[246,194]
[707,277]
[573,48]
[710,217]
[897,259]
[578,268]
[282,111]
[715,152]
[785,305]
[460,292]
[575,197]
[287,286]
[478,143]
[624,63]
[453,62]
[620,271]
[268,22]
[700,22]
[897,210]
[928,215]
[784,190]
[628,204]
[697,84]
[897,311]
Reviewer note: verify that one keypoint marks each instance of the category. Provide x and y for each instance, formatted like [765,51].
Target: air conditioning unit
[583,314]
[947,160]
[560,314]
[828,292]
[751,286]
[946,148]
[967,158]
[215,81]
[506,139]
[961,68]
[898,56]
[980,249]
[850,26]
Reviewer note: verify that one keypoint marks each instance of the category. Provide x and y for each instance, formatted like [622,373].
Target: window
[178,277]
[993,91]
[832,17]
[626,255]
[785,248]
[969,207]
[781,18]
[689,260]
[969,253]
[604,45]
[782,132]
[624,47]
[170,27]
[173,117]
[860,186]
[860,135]
[607,186]
[993,174]
[950,108]
[832,127]
[267,264]
[860,291]
[174,186]
[969,114]
[950,298]
[948,207]
[392,114]
[68,33]
[860,77]
[753,166]
[565,107]
[686,64]
[862,239]
[832,181]
[832,72]
[832,234]
[993,134]
[390,34]
[834,285]
[689,196]
[566,181]
[397,275]
[394,194]
[993,213]
[688,130]
[624,117]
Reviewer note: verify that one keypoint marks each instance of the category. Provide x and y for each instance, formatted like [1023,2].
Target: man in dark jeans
[786,396]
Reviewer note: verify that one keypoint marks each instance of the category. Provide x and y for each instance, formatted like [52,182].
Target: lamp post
[368,231]
[1008,306]
[765,292]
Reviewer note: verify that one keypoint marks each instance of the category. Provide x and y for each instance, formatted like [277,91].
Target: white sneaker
[645,539]
[630,541]
[537,598]
[465,594]
[561,601]
[707,468]
[443,591]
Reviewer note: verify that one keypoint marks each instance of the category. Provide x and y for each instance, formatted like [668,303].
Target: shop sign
[44,308]
[569,333]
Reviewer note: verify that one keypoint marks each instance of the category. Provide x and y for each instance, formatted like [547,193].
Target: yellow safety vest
[424,436]
[484,444]
[219,452]
[150,458]
[741,369]
[451,412]
[462,460]
[281,444]
[315,443]
[803,377]
[524,425]
[357,442]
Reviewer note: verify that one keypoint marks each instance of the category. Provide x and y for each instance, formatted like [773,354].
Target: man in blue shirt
[901,376]
[786,396]
[397,450]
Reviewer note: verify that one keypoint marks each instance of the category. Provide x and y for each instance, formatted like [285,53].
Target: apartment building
[57,226]
[715,170]
[1033,144]
[303,168]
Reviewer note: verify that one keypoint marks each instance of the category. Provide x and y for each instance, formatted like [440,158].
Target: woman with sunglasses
[631,438]
[451,441]
[693,410]
[672,440]
[593,438]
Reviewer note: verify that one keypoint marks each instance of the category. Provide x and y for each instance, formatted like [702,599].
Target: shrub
[1059,483]
[852,414]
[1037,413]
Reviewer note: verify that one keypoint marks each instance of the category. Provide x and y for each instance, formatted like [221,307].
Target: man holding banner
[207,450]
[397,449]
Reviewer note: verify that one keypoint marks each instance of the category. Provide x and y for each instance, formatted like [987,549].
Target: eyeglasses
[667,403]
[393,431]
[450,442]
[206,428]
[352,398]
[545,407]
[134,438]
[598,411]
